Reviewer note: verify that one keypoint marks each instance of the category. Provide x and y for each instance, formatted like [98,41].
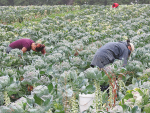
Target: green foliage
[38,100]
[69,2]
[146,108]
[95,74]
[72,35]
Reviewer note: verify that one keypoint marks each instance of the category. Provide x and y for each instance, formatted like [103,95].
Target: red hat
[115,5]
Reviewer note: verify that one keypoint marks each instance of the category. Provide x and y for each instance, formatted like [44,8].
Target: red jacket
[115,5]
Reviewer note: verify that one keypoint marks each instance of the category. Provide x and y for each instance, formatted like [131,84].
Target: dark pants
[99,61]
[8,49]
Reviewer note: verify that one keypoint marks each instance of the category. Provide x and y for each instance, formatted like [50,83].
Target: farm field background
[52,83]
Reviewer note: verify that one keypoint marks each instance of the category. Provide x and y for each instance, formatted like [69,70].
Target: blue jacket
[109,52]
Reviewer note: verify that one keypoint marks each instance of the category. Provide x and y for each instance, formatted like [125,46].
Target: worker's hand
[123,65]
[24,49]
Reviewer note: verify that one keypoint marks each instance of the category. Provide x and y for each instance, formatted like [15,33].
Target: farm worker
[26,45]
[111,51]
[115,5]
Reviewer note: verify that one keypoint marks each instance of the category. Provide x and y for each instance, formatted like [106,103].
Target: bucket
[85,101]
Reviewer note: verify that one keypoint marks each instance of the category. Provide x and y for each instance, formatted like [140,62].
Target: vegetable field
[51,83]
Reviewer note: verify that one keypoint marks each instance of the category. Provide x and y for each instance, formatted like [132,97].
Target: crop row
[64,72]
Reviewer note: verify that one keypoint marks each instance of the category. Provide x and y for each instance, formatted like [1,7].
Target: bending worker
[111,51]
[115,5]
[26,45]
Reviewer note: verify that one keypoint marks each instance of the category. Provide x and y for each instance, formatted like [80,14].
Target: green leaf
[129,91]
[24,105]
[38,100]
[127,96]
[134,80]
[147,108]
[135,109]
[90,88]
[42,72]
[120,95]
[105,77]
[123,77]
[11,80]
[127,77]
[101,82]
[122,70]
[50,87]
[56,88]
[139,74]
[58,111]
[125,107]
[103,73]
[139,90]
[46,102]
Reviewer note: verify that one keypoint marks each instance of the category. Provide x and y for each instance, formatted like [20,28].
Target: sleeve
[125,58]
[26,45]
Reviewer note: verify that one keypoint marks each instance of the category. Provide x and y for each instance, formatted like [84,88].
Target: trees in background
[68,2]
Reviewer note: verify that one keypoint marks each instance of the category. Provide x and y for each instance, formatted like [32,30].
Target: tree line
[68,2]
